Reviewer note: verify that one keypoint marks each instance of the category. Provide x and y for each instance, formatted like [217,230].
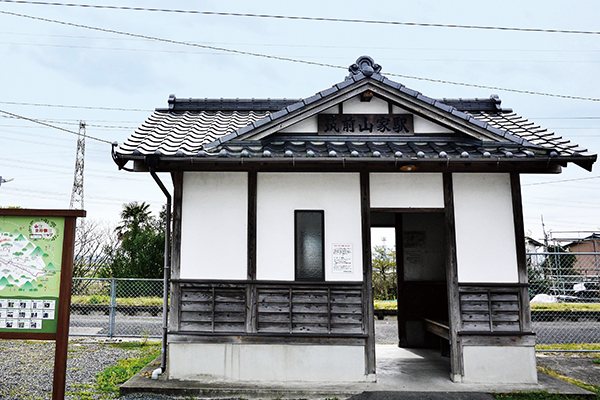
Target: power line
[53,126]
[435,60]
[71,106]
[318,64]
[70,120]
[303,18]
[311,46]
[561,181]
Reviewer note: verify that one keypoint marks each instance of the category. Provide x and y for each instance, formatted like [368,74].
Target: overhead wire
[444,60]
[304,18]
[272,57]
[560,181]
[53,126]
[495,49]
[15,103]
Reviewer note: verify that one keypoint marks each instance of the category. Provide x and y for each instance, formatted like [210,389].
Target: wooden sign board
[366,124]
[36,268]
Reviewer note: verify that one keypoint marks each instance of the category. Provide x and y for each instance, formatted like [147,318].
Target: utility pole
[77,193]
[4,180]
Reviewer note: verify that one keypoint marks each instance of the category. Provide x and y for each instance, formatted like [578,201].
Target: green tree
[385,285]
[140,251]
[133,217]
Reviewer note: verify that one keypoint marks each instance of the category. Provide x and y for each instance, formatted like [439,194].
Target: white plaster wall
[492,364]
[406,190]
[214,225]
[375,106]
[308,125]
[267,363]
[485,233]
[279,194]
[423,126]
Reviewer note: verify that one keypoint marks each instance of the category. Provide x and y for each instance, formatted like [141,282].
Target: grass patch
[583,385]
[110,379]
[127,301]
[539,395]
[392,305]
[569,346]
[386,304]
[565,306]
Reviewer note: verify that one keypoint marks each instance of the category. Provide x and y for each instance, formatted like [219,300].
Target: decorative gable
[365,119]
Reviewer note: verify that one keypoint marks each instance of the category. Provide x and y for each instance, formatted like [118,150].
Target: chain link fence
[564,292]
[565,297]
[116,307]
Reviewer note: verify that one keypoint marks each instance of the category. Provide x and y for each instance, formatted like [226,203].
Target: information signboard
[30,268]
[36,266]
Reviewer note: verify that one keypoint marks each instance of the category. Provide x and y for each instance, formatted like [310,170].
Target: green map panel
[30,265]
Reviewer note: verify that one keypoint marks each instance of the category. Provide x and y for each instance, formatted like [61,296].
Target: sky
[62,74]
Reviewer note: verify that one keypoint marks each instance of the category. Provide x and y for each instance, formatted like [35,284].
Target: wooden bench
[441,329]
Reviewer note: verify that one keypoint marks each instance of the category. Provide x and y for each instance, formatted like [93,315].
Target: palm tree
[133,217]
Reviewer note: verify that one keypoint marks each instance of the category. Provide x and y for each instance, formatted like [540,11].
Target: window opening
[309,245]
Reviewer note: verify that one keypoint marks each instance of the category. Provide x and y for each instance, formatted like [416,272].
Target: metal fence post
[112,309]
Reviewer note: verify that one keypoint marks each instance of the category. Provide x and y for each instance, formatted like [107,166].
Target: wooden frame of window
[303,219]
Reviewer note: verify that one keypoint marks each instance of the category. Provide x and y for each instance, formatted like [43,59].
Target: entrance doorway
[418,239]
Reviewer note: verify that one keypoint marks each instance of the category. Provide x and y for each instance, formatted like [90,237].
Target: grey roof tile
[312,99]
[329,91]
[443,106]
[426,99]
[295,106]
[261,122]
[409,92]
[279,113]
[391,83]
[344,83]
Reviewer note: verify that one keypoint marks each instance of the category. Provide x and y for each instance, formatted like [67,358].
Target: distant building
[587,264]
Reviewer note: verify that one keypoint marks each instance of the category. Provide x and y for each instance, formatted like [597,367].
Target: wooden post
[175,289]
[365,199]
[517,205]
[456,370]
[64,314]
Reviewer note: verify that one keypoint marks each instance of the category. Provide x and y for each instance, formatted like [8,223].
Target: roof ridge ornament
[364,65]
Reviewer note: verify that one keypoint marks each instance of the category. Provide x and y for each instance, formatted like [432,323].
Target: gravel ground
[28,366]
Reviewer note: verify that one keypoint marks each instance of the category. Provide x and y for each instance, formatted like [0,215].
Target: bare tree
[91,241]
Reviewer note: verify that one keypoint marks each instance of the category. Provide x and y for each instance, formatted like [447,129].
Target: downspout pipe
[152,162]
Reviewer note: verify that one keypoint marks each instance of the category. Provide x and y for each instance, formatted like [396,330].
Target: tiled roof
[432,148]
[218,128]
[187,131]
[529,131]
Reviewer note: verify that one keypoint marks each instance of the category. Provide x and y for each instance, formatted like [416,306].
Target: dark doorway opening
[420,271]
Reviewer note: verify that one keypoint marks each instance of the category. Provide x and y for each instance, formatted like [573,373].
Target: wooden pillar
[401,313]
[174,311]
[365,200]
[456,365]
[517,206]
[251,289]
[64,311]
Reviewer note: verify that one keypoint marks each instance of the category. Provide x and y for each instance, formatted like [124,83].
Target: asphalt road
[386,331]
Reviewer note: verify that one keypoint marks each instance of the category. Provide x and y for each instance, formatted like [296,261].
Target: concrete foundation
[267,363]
[490,364]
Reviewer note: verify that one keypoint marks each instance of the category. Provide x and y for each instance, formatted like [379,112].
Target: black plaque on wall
[366,124]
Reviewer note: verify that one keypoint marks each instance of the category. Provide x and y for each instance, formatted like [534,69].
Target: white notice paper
[342,258]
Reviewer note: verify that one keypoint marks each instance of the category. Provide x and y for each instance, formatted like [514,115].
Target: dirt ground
[578,366]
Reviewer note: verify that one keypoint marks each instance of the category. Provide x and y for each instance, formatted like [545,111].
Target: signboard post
[36,268]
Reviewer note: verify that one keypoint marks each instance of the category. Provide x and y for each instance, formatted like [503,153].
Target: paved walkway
[398,370]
